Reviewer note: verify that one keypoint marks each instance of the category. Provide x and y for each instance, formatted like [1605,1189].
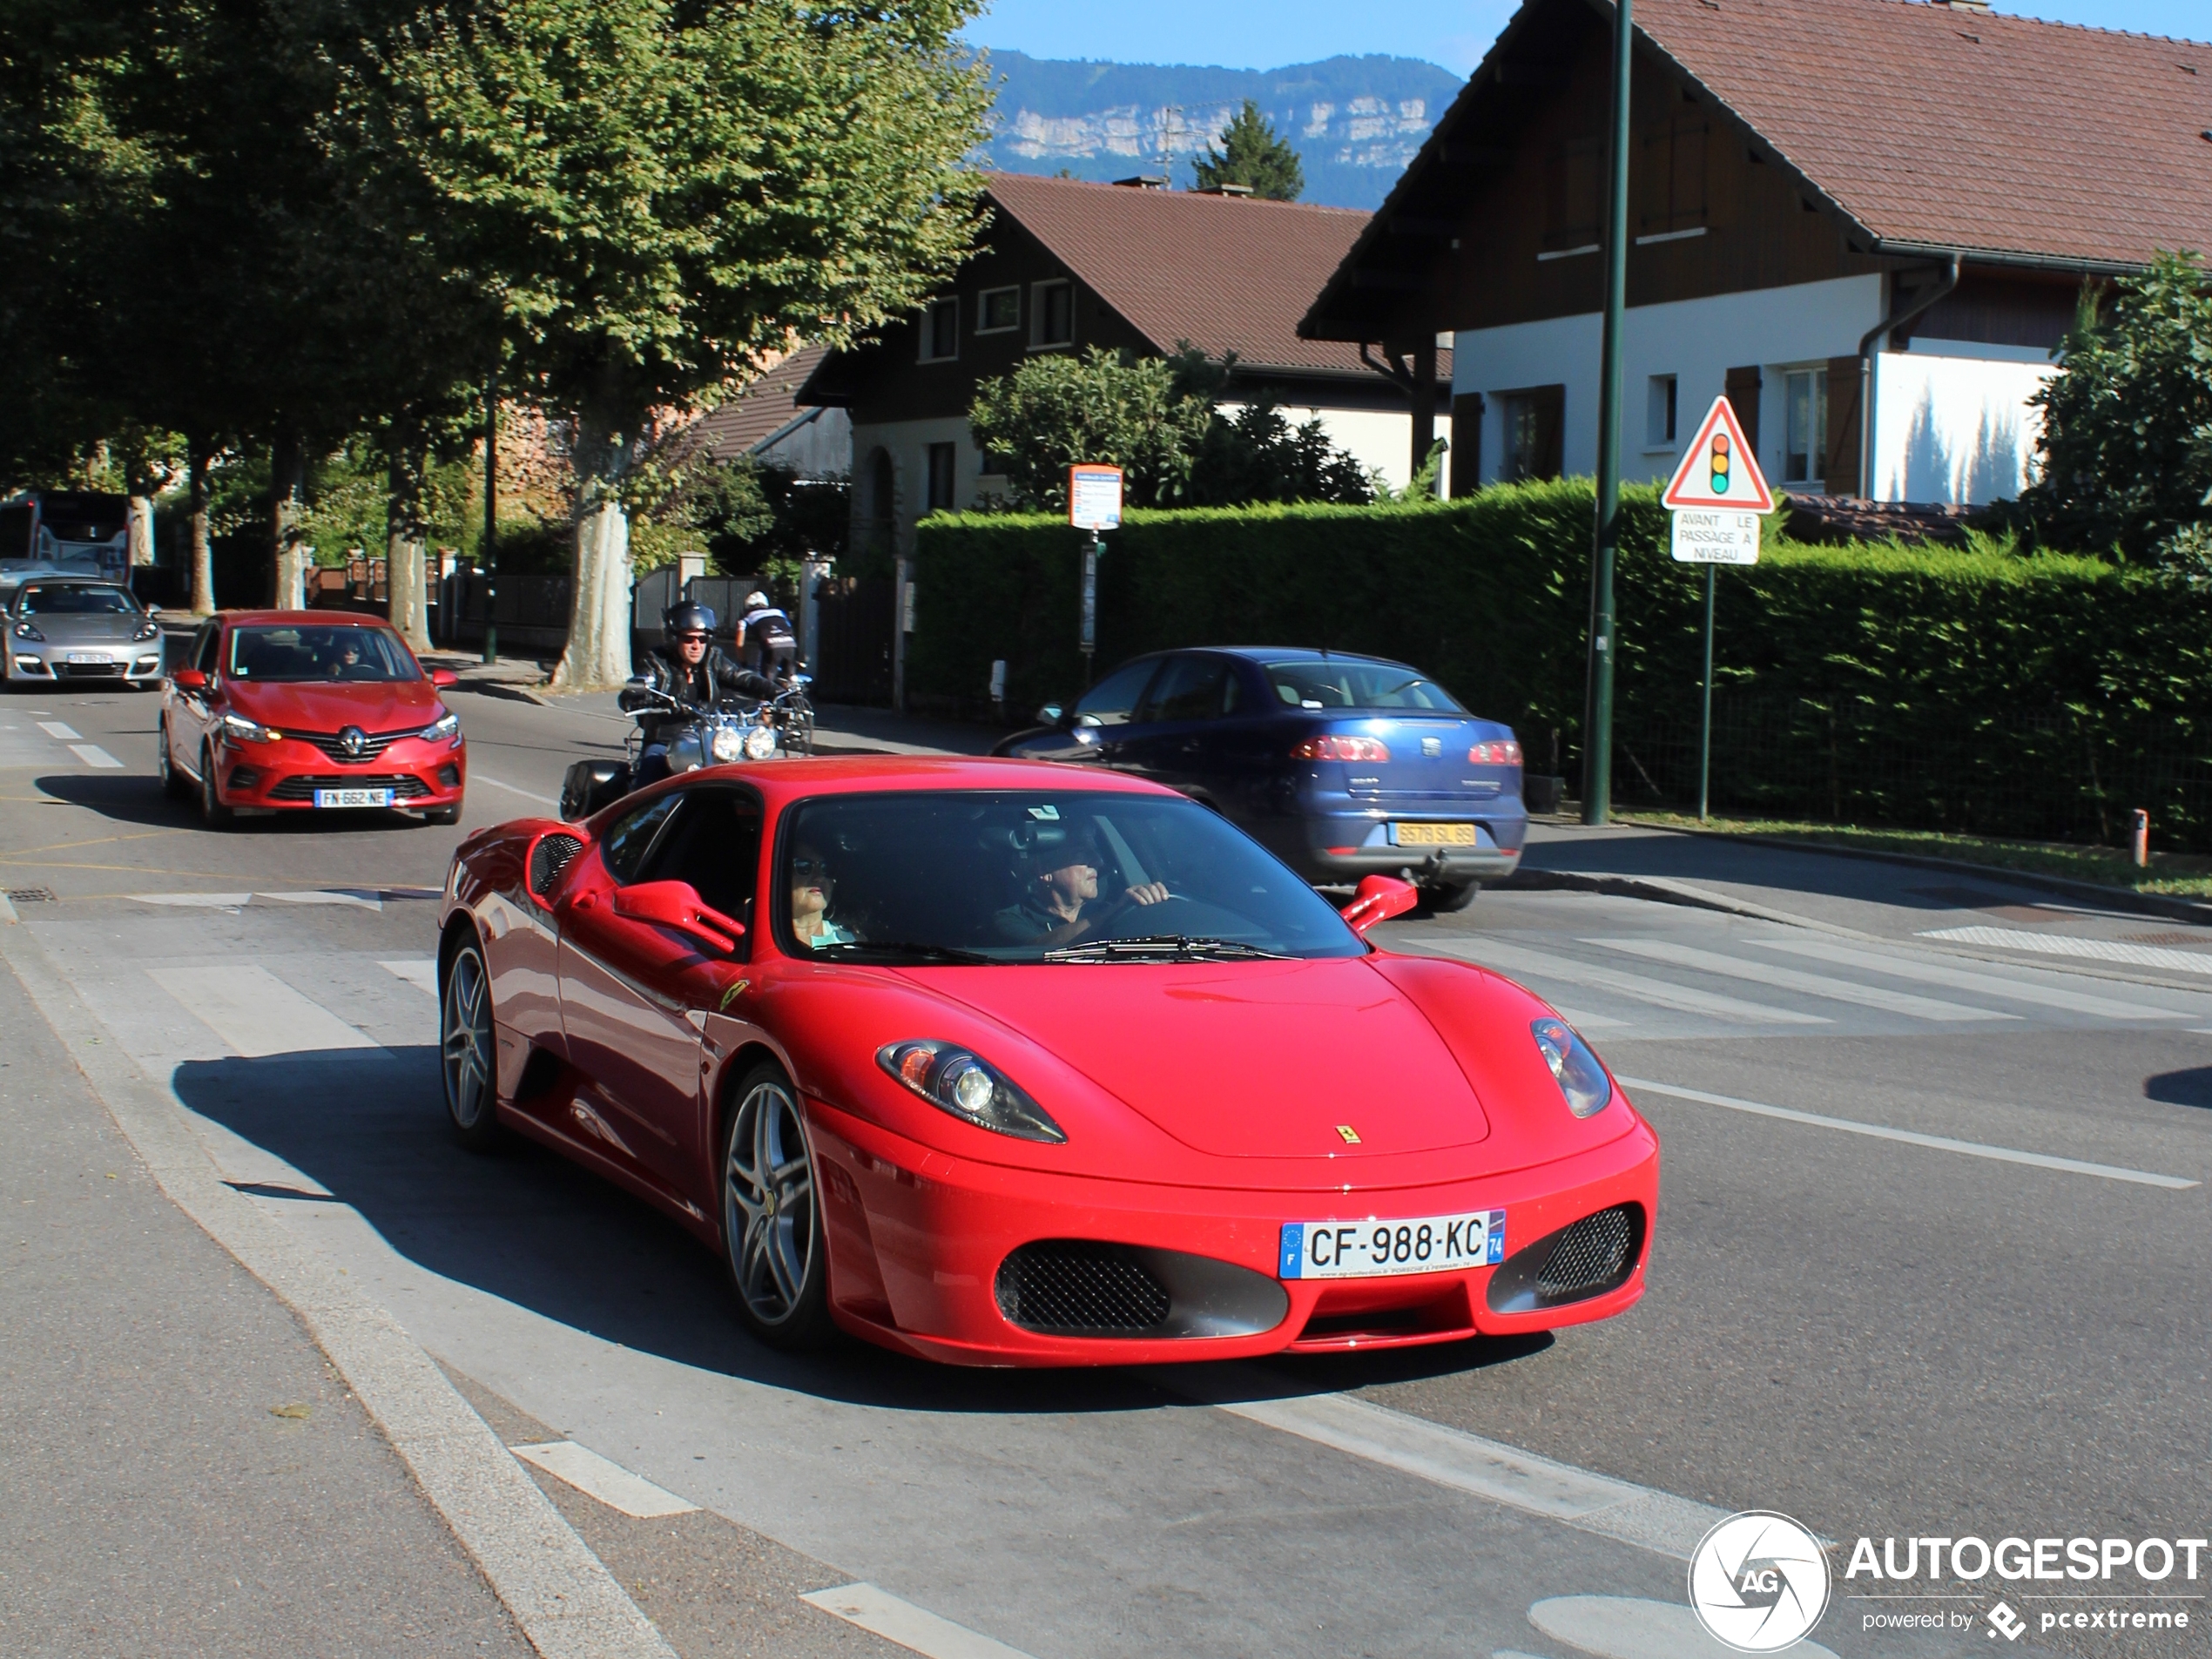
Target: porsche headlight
[1581,1078]
[238,729]
[446,726]
[148,630]
[760,743]
[727,745]
[24,631]
[954,1081]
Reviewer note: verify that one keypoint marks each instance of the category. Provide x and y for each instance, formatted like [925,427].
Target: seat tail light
[1494,755]
[1341,748]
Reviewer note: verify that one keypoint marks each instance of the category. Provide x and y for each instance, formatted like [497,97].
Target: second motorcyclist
[690,668]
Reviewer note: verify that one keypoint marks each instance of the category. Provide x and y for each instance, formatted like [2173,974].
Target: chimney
[1143,181]
[1225,190]
[1981,6]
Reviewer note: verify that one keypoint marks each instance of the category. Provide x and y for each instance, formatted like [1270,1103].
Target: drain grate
[2197,937]
[31,895]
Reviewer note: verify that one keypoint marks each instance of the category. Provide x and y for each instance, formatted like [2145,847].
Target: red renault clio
[301,711]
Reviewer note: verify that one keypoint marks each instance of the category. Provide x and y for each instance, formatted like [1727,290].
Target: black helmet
[689,617]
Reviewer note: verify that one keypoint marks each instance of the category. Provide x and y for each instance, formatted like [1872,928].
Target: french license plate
[1380,1249]
[86,657]
[1434,835]
[352,798]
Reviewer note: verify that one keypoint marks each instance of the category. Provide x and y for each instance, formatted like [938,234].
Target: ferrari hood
[1246,1059]
[376,706]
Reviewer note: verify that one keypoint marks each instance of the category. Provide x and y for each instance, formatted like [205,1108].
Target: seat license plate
[86,657]
[1380,1249]
[1435,834]
[352,798]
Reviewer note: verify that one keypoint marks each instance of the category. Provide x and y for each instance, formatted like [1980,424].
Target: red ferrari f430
[997,1064]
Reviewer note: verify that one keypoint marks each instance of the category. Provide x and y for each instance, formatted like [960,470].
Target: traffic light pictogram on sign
[1719,469]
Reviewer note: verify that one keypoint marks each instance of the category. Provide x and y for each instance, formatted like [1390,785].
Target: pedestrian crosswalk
[39,742]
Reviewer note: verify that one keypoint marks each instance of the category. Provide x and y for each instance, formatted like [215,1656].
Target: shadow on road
[2189,1088]
[134,799]
[527,1226]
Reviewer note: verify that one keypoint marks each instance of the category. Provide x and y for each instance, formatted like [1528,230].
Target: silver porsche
[60,629]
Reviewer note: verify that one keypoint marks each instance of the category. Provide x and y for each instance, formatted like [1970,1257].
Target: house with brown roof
[1064,265]
[766,422]
[1868,222]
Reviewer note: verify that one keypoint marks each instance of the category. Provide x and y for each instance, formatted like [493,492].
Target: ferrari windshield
[287,653]
[1054,876]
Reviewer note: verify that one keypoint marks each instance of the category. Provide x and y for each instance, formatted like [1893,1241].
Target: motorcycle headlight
[727,745]
[446,726]
[1581,1078]
[952,1080]
[24,631]
[240,728]
[760,743]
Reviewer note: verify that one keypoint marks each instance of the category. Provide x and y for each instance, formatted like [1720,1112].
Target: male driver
[1062,903]
[765,642]
[690,667]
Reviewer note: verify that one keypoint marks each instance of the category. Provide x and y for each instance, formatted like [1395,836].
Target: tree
[1109,408]
[2127,443]
[655,195]
[1251,154]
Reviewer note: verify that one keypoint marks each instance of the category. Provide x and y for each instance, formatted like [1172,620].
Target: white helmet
[756,600]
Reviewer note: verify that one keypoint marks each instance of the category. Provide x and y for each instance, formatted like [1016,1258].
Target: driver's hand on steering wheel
[1150,893]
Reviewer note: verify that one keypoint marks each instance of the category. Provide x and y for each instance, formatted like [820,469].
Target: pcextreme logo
[1758,1581]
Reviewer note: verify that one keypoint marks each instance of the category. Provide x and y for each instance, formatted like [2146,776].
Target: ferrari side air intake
[1079,1287]
[1595,1255]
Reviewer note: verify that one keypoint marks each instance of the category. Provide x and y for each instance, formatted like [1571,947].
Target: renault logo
[353,740]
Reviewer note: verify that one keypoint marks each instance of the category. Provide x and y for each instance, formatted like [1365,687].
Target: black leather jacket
[718,679]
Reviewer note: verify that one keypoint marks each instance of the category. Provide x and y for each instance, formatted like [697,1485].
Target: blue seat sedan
[1344,765]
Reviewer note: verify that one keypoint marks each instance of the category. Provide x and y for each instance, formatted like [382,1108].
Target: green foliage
[2126,445]
[1252,154]
[1104,409]
[1972,690]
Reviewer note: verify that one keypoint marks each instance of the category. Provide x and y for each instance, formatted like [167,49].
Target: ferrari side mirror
[189,679]
[677,905]
[1379,897]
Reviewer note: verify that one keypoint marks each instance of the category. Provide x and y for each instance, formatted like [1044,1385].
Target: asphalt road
[1929,1261]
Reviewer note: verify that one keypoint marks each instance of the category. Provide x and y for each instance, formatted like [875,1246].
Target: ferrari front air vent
[1596,1255]
[548,858]
[1073,1287]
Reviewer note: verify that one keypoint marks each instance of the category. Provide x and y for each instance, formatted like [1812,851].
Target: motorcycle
[699,736]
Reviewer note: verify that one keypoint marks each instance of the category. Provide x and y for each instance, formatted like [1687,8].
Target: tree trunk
[288,483]
[404,579]
[203,552]
[141,530]
[598,649]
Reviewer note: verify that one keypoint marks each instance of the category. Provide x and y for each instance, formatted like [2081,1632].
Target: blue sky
[1266,34]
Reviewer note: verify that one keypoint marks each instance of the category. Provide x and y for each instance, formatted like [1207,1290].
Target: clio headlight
[446,726]
[954,1081]
[726,746]
[1581,1078]
[760,743]
[238,728]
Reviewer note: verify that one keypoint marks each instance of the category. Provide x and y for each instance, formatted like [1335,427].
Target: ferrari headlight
[446,726]
[1581,1078]
[760,743]
[241,730]
[954,1081]
[727,745]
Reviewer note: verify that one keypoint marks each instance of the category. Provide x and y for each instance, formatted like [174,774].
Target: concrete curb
[505,689]
[566,1602]
[1662,890]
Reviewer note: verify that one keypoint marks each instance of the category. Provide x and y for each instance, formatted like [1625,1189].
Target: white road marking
[527,794]
[604,1479]
[1913,1137]
[1872,996]
[1512,959]
[54,729]
[198,900]
[1962,979]
[2097,950]
[1448,1457]
[92,755]
[419,971]
[1627,1627]
[1583,1019]
[256,1013]
[325,896]
[885,1614]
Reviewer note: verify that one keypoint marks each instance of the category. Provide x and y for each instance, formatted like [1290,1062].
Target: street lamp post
[491,518]
[1597,718]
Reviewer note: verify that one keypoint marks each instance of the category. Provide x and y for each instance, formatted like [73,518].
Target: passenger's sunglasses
[811,872]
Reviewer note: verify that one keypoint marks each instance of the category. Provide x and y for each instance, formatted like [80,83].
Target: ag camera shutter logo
[1758,1581]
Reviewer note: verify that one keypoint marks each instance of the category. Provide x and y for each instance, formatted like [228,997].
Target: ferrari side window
[629,840]
[715,845]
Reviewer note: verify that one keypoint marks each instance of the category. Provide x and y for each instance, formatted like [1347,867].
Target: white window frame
[983,310]
[929,331]
[1038,309]
[1662,412]
[1816,376]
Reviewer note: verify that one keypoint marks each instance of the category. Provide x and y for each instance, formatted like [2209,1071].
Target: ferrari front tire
[771,1217]
[468,1050]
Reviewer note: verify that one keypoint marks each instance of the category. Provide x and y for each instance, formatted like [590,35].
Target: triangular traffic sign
[1719,469]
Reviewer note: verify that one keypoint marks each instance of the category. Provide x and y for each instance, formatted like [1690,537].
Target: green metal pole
[1597,718]
[1706,724]
[491,518]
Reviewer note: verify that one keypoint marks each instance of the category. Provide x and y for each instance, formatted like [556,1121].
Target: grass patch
[2172,874]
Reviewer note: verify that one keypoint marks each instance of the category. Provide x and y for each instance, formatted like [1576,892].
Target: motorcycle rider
[692,667]
[766,643]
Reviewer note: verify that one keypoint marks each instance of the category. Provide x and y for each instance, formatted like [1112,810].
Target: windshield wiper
[1178,947]
[901,948]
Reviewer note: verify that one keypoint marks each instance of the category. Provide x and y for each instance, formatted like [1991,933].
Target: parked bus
[66,530]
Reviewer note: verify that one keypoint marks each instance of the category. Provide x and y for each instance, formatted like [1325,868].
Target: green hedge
[1961,689]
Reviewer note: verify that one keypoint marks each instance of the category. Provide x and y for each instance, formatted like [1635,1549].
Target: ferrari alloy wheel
[466,1050]
[174,784]
[772,1223]
[212,810]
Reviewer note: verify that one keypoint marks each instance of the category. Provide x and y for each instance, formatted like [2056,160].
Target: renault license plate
[1378,1248]
[1435,835]
[352,798]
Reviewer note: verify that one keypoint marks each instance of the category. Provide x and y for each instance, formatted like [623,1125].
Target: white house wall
[820,448]
[1380,440]
[1955,428]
